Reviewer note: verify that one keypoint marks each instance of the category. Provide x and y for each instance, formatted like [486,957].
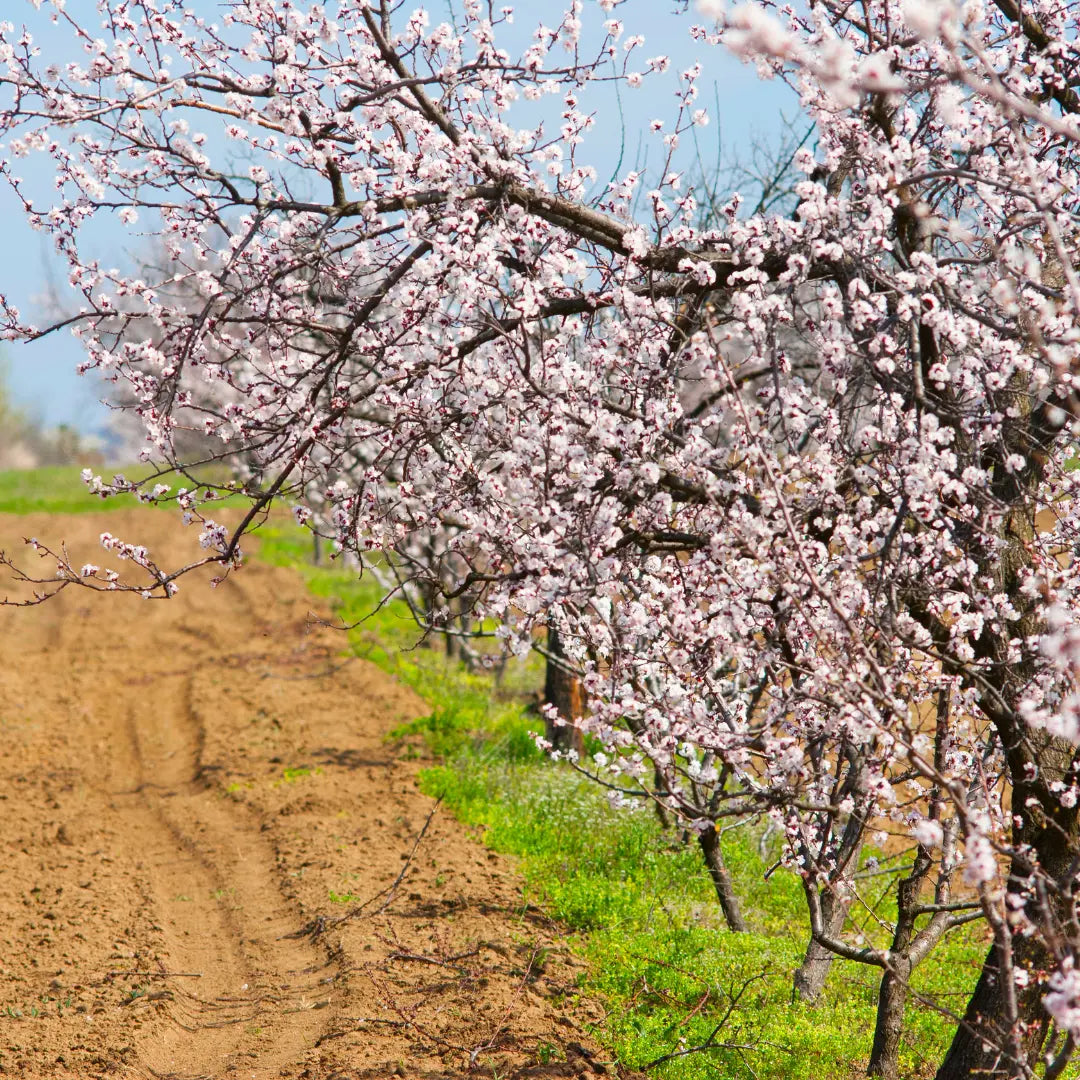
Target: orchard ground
[194,794]
[216,862]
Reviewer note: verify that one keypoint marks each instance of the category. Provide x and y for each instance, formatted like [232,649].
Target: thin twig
[477,1051]
[156,974]
[361,1025]
[321,924]
[421,959]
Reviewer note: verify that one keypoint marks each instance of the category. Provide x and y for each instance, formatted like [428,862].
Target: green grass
[291,775]
[58,489]
[343,897]
[636,900]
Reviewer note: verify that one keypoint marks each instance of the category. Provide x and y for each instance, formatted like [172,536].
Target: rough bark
[563,690]
[893,991]
[721,879]
[892,997]
[1004,1025]
[662,815]
[809,979]
[997,1039]
[981,1046]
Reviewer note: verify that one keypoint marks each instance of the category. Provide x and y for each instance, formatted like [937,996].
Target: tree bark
[721,879]
[662,815]
[990,1043]
[892,997]
[810,976]
[980,1047]
[909,948]
[563,690]
[893,991]
[1004,1025]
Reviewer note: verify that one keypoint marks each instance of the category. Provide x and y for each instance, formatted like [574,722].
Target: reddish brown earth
[183,785]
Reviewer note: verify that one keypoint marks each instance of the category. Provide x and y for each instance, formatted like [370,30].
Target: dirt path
[201,828]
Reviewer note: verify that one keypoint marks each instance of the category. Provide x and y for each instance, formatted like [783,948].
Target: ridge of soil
[213,866]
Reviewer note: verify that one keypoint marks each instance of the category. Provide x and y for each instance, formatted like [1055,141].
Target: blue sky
[41,376]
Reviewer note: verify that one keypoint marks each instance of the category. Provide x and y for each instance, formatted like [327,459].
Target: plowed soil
[212,863]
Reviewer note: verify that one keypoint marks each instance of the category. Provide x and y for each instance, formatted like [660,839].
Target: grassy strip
[58,489]
[637,901]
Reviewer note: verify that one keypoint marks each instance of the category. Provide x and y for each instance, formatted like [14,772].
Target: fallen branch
[156,974]
[320,924]
[477,1051]
[361,1025]
[449,962]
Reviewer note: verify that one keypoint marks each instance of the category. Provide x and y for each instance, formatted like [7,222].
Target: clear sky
[42,377]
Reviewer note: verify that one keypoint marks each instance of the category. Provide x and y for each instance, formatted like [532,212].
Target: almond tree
[763,590]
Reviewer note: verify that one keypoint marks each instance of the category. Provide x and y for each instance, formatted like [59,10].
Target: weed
[545,1053]
[291,775]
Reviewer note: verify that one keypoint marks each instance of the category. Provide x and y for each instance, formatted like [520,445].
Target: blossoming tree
[788,487]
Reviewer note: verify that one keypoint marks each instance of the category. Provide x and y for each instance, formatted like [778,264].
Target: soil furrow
[196,792]
[208,875]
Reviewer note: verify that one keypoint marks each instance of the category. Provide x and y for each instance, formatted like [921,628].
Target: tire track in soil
[208,870]
[183,786]
[211,873]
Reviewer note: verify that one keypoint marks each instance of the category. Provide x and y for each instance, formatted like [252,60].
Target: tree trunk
[892,993]
[455,643]
[892,996]
[992,1042]
[811,974]
[988,1042]
[563,690]
[980,1046]
[721,878]
[662,815]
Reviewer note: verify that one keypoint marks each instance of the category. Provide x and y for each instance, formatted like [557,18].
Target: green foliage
[648,922]
[53,489]
[636,898]
[293,773]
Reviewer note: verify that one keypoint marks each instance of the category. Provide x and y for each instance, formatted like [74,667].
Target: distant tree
[25,443]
